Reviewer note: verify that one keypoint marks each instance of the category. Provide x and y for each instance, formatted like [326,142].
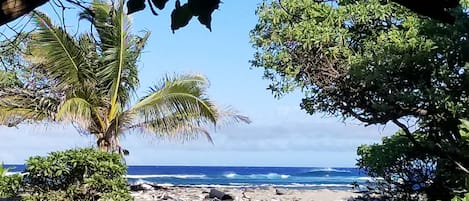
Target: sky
[281,134]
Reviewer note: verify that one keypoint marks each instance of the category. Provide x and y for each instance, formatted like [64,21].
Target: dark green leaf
[135,5]
[180,16]
[206,20]
[204,9]
[159,3]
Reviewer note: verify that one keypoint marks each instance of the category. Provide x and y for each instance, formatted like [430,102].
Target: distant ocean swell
[199,176]
[301,178]
[284,177]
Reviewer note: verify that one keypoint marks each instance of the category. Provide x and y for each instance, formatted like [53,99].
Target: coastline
[147,192]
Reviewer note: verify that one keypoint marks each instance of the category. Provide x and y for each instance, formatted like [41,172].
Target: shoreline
[147,192]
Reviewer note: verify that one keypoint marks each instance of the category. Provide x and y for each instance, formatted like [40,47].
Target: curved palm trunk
[103,142]
[109,143]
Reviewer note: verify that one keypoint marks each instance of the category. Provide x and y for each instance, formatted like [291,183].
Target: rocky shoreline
[147,192]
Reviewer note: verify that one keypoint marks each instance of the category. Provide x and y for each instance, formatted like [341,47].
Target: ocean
[213,176]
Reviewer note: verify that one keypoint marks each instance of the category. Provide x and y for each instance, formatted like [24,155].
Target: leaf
[180,16]
[135,5]
[159,3]
[204,9]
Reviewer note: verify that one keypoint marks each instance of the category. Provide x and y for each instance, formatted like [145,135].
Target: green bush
[9,184]
[79,174]
[465,198]
[408,172]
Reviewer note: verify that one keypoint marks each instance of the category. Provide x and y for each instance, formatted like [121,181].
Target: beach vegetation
[10,184]
[378,63]
[403,171]
[76,174]
[90,81]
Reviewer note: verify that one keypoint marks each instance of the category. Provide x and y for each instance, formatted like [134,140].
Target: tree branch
[406,132]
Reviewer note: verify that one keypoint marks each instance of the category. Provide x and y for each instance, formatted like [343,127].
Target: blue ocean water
[286,177]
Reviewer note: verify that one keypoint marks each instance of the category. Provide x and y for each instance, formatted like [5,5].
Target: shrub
[78,174]
[407,172]
[9,184]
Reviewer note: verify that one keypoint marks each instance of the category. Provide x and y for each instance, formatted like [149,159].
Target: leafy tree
[12,9]
[378,63]
[90,82]
[375,62]
[404,171]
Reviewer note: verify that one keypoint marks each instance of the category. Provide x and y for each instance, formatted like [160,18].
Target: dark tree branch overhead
[180,16]
[435,9]
[12,9]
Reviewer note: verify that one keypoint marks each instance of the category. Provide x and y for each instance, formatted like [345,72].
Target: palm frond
[61,54]
[184,95]
[179,108]
[229,116]
[76,110]
[172,127]
[118,72]
[13,116]
[20,105]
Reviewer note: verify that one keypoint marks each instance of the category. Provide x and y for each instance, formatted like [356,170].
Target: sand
[243,194]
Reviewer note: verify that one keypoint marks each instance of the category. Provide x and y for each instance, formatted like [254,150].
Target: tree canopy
[376,62]
[203,9]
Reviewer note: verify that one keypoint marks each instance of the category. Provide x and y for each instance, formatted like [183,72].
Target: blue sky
[280,134]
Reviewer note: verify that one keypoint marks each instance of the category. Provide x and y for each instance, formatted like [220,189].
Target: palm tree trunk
[103,142]
[109,143]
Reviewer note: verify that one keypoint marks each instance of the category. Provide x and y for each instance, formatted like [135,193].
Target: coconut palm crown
[90,81]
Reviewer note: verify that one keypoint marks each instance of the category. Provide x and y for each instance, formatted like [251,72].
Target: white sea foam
[12,173]
[296,185]
[293,185]
[365,178]
[257,176]
[273,176]
[230,175]
[327,170]
[248,185]
[178,176]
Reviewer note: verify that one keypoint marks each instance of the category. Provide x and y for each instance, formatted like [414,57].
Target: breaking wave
[178,176]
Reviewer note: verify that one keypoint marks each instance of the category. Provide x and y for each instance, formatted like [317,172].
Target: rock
[279,192]
[214,193]
[141,187]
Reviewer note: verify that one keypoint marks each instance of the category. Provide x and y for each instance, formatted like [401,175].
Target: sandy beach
[241,194]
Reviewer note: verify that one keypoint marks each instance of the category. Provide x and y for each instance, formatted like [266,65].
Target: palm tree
[90,82]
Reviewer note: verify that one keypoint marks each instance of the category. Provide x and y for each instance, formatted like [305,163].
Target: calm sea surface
[287,177]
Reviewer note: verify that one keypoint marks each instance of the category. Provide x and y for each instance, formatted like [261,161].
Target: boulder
[214,193]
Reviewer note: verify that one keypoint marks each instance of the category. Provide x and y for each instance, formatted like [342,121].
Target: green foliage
[79,174]
[405,171]
[3,170]
[8,79]
[364,59]
[465,198]
[376,62]
[9,184]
